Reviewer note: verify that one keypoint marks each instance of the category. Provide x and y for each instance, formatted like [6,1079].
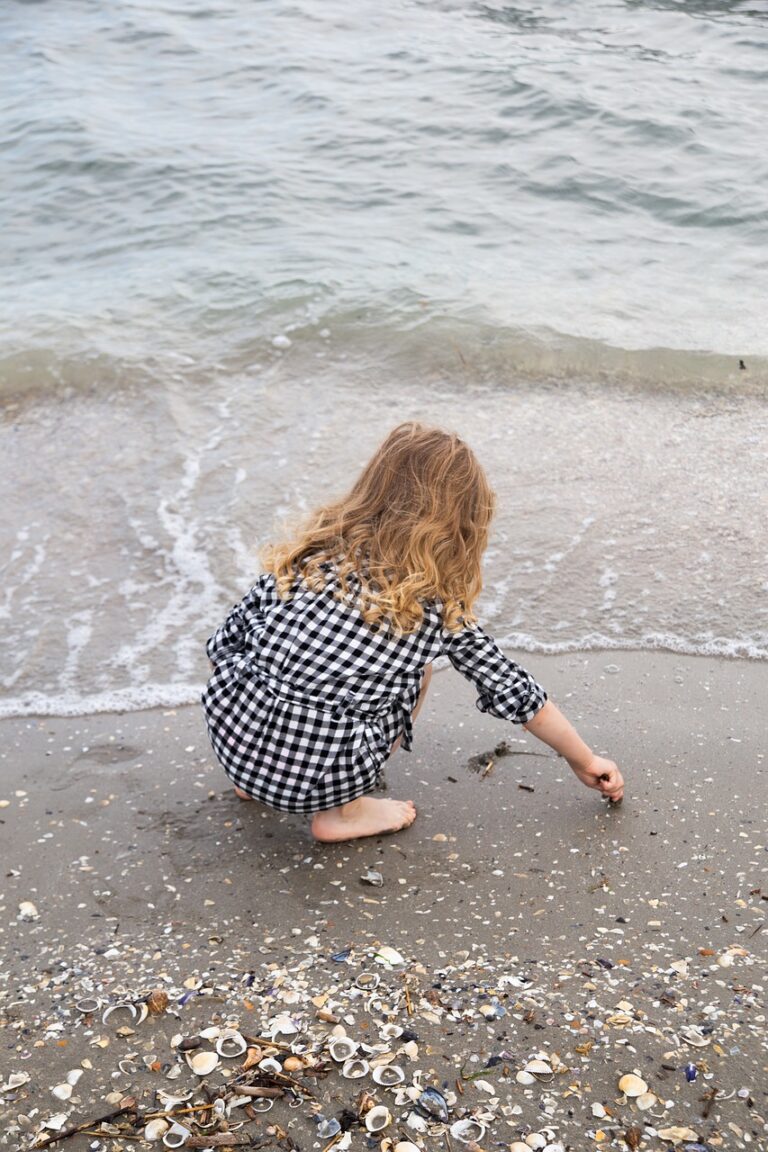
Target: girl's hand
[603,775]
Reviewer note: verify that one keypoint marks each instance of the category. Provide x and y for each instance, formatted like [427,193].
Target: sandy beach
[531,919]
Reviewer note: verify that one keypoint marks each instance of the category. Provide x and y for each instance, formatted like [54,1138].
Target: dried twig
[128,1104]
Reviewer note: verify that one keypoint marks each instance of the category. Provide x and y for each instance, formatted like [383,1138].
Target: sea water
[241,241]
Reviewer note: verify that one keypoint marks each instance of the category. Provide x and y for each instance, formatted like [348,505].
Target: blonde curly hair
[412,530]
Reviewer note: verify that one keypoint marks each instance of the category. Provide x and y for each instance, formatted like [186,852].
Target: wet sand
[615,928]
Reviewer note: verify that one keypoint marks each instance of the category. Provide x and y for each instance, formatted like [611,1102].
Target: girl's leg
[369,815]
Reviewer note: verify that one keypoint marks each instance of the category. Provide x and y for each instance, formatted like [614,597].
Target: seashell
[433,1104]
[540,1069]
[157,1002]
[57,1122]
[391,1031]
[536,1140]
[525,1078]
[676,1134]
[368,981]
[176,1136]
[202,1063]
[88,1005]
[231,1045]
[694,1036]
[389,956]
[252,1056]
[282,1026]
[632,1085]
[467,1131]
[411,1050]
[211,1033]
[142,1011]
[74,1076]
[373,877]
[378,1118]
[121,1006]
[328,1128]
[262,1103]
[518,1146]
[28,911]
[388,1075]
[374,1005]
[62,1091]
[188,1044]
[155,1129]
[355,1068]
[646,1100]
[416,1123]
[293,1064]
[406,1146]
[269,1064]
[342,1049]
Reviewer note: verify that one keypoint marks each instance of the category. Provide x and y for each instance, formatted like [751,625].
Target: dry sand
[594,935]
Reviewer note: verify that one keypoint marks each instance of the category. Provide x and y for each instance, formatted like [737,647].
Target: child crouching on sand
[320,671]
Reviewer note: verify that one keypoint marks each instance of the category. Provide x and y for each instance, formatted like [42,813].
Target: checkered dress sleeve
[231,638]
[504,688]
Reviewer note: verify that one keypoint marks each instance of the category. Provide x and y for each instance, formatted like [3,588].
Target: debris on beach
[319,1049]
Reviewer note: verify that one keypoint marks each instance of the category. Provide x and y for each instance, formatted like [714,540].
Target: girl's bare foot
[366,816]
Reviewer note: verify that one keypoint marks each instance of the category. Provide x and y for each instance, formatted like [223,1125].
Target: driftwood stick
[128,1104]
[218,1140]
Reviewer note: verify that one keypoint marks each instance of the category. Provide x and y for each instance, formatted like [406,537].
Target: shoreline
[145,871]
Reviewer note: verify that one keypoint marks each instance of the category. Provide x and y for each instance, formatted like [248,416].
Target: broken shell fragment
[231,1045]
[433,1104]
[28,911]
[518,1146]
[202,1063]
[157,1002]
[262,1103]
[373,877]
[269,1064]
[646,1100]
[368,981]
[694,1036]
[155,1129]
[355,1068]
[342,1049]
[390,957]
[88,1005]
[388,1075]
[632,1085]
[62,1091]
[176,1136]
[467,1131]
[121,1006]
[378,1118]
[328,1128]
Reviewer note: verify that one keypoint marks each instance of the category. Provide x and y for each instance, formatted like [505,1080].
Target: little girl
[319,672]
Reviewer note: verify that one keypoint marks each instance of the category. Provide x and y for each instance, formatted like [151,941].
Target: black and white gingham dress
[305,700]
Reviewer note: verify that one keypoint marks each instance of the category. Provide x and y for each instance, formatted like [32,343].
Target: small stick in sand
[127,1104]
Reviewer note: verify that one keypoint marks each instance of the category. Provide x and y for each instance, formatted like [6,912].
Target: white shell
[230,1045]
[62,1091]
[540,1069]
[467,1131]
[416,1123]
[202,1063]
[646,1101]
[525,1078]
[391,1031]
[261,1103]
[269,1064]
[518,1146]
[536,1140]
[155,1129]
[176,1136]
[632,1085]
[342,1049]
[389,956]
[355,1068]
[388,1075]
[74,1076]
[121,1006]
[378,1118]
[368,981]
[28,911]
[694,1037]
[406,1146]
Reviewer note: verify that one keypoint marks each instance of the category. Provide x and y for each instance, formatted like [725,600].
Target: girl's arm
[550,726]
